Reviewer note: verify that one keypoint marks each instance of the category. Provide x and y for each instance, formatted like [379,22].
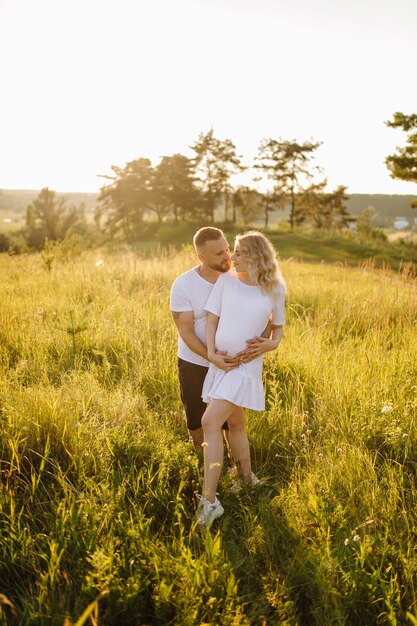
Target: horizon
[60,191]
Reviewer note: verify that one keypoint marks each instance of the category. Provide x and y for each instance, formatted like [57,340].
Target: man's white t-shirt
[189,292]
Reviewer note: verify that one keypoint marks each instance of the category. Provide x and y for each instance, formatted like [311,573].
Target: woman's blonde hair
[261,260]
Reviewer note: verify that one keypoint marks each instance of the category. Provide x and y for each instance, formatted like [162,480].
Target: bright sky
[86,84]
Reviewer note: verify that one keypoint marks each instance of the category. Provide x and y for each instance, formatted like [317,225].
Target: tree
[5,242]
[49,218]
[126,199]
[286,163]
[215,162]
[365,219]
[247,204]
[173,188]
[403,164]
[228,163]
[324,209]
[308,204]
[269,200]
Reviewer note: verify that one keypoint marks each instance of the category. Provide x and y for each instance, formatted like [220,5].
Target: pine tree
[287,164]
[403,164]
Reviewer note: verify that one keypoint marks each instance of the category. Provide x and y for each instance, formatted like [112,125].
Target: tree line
[200,190]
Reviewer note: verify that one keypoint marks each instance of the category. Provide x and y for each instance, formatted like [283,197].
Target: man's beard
[222,268]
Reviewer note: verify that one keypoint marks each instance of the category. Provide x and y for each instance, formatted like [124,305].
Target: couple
[226,321]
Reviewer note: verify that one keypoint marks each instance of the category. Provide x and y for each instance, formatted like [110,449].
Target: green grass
[98,478]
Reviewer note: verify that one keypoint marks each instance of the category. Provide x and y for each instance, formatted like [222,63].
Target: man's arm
[184,321]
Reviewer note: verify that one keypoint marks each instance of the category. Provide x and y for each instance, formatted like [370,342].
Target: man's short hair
[207,233]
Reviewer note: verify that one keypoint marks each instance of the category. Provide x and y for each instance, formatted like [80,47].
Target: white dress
[243,313]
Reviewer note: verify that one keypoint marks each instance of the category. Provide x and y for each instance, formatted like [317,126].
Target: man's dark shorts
[191,378]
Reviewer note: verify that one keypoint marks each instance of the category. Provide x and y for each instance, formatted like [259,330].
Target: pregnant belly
[231,345]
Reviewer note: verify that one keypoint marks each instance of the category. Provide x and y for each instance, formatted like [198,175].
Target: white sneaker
[208,511]
[241,482]
[254,480]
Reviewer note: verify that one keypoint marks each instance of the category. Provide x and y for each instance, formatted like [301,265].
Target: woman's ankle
[244,469]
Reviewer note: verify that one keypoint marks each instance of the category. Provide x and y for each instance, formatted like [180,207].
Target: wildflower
[78,425]
[387,408]
[405,435]
[99,263]
[356,538]
[339,450]
[346,541]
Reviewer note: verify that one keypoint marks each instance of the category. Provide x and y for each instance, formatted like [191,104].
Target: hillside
[16,200]
[387,207]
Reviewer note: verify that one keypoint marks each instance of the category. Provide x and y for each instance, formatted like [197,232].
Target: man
[189,294]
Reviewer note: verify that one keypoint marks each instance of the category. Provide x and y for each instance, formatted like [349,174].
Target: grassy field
[98,479]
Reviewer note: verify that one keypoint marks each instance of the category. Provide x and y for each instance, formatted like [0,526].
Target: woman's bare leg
[239,444]
[212,421]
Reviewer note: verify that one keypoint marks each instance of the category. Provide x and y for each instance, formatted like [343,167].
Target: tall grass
[98,477]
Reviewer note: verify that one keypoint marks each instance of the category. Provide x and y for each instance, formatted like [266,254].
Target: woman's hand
[222,361]
[256,347]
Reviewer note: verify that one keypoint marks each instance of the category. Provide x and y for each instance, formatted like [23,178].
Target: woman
[240,305]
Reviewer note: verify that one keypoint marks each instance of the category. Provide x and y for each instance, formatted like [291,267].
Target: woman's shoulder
[282,288]
[279,292]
